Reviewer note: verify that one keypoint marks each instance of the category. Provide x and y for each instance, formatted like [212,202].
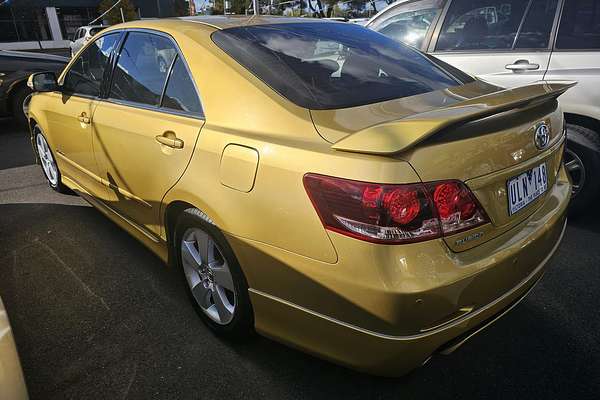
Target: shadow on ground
[96,315]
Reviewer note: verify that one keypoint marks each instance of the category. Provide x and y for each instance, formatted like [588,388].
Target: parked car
[83,35]
[373,216]
[12,381]
[15,68]
[512,43]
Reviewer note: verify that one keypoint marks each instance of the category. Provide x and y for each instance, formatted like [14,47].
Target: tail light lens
[393,214]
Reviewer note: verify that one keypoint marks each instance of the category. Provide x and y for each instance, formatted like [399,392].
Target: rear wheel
[217,286]
[582,162]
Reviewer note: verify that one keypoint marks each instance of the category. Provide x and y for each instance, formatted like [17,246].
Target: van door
[147,128]
[505,42]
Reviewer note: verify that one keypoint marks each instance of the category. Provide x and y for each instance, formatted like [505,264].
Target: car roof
[233,21]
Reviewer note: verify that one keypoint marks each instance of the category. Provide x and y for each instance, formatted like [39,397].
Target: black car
[15,68]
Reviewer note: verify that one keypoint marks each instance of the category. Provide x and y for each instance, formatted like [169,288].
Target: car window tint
[325,65]
[410,23]
[481,24]
[535,32]
[142,68]
[180,93]
[87,72]
[579,25]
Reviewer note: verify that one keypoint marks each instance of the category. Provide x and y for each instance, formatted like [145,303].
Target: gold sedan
[314,181]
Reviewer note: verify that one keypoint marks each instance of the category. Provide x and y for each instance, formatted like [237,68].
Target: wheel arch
[582,120]
[173,211]
[14,88]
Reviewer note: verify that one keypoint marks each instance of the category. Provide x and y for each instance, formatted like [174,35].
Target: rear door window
[325,65]
[409,23]
[86,74]
[534,32]
[579,26]
[180,94]
[142,67]
[481,25]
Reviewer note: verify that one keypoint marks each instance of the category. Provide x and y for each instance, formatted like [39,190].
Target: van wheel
[48,162]
[217,287]
[20,105]
[582,161]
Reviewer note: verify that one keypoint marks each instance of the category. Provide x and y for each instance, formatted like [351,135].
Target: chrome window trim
[133,104]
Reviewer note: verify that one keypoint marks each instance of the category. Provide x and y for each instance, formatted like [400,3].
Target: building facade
[49,24]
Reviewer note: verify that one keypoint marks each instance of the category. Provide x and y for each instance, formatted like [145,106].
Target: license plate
[527,187]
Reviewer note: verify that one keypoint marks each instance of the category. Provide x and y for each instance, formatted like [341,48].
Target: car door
[71,112]
[577,57]
[506,42]
[147,127]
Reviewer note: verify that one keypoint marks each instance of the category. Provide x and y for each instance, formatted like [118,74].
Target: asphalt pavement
[97,316]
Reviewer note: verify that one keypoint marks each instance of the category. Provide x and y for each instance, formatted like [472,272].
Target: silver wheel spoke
[224,308]
[190,253]
[222,276]
[204,243]
[46,159]
[208,275]
[202,295]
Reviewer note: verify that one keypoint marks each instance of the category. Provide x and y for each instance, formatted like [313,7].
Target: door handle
[523,65]
[83,118]
[169,139]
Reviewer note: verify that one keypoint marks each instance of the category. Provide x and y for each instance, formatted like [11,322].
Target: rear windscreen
[332,65]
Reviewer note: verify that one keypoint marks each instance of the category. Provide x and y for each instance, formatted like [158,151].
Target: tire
[48,161]
[210,292]
[582,161]
[18,98]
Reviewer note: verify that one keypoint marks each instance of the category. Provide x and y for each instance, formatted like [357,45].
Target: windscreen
[319,65]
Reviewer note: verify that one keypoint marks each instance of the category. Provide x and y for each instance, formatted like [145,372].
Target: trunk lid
[478,134]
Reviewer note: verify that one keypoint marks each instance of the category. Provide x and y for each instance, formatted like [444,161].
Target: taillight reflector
[393,214]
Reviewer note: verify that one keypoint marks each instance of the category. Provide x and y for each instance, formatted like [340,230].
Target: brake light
[393,214]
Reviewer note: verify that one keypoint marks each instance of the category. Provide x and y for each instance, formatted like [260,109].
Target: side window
[409,24]
[481,24]
[180,93]
[142,68]
[579,26]
[87,72]
[535,31]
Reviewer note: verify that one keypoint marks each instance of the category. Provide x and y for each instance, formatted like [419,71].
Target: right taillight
[393,214]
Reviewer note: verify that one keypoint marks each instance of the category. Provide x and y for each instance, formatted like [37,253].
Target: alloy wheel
[208,275]
[576,170]
[46,158]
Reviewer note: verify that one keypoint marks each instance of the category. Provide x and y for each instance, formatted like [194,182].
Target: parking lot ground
[97,316]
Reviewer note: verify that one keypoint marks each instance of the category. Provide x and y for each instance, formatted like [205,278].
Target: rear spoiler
[402,134]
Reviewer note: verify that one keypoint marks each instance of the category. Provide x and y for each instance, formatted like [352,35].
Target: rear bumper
[386,309]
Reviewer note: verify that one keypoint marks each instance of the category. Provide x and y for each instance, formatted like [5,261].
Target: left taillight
[393,214]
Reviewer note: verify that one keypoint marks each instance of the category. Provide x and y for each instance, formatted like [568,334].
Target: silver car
[512,43]
[83,35]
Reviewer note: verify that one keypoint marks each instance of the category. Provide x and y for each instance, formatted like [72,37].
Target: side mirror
[42,82]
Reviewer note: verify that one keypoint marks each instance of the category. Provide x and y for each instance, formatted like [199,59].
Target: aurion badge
[542,136]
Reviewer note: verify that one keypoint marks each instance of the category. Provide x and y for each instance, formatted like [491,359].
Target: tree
[114,16]
[181,8]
